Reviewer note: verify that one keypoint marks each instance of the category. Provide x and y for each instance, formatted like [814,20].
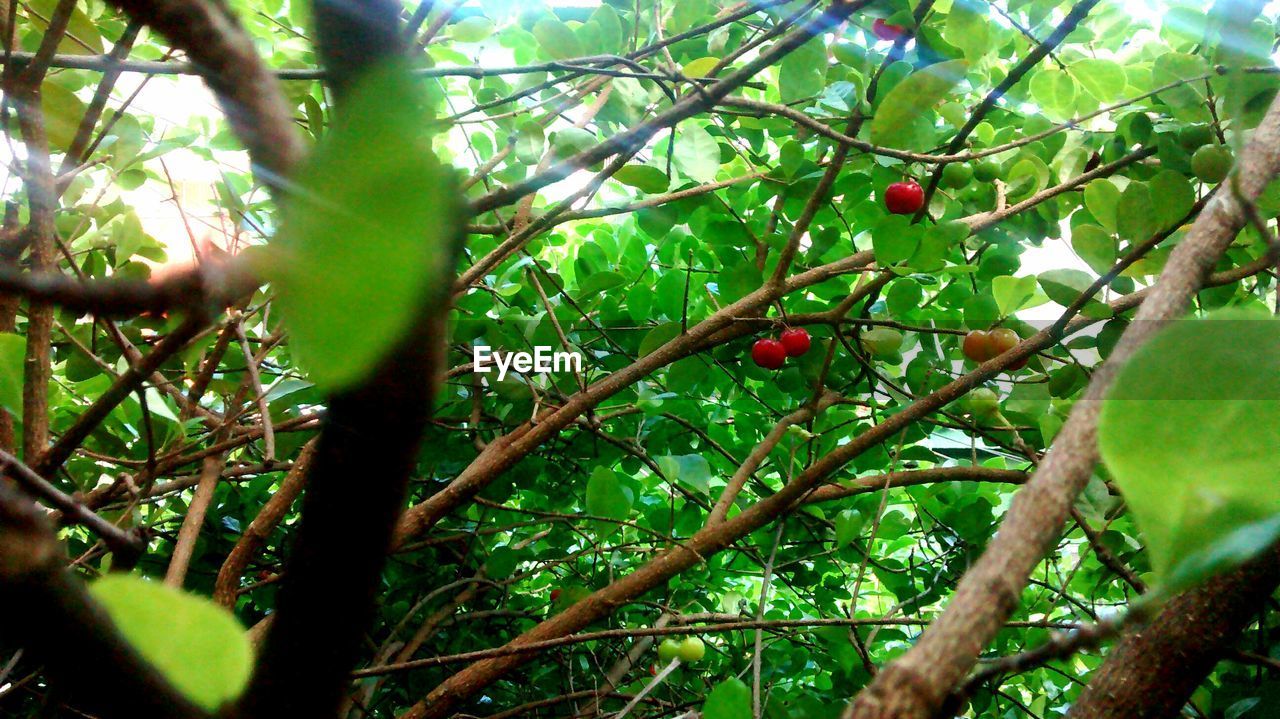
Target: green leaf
[659,336]
[366,235]
[198,646]
[791,157]
[692,469]
[471,29]
[967,29]
[920,91]
[697,153]
[530,140]
[606,497]
[1012,293]
[904,297]
[739,280]
[1104,79]
[803,72]
[894,239]
[13,352]
[1171,67]
[936,244]
[699,67]
[1188,430]
[730,699]
[1136,215]
[62,114]
[645,178]
[1096,247]
[1027,177]
[556,39]
[571,140]
[1176,197]
[599,282]
[82,36]
[606,18]
[1055,91]
[1064,286]
[1101,198]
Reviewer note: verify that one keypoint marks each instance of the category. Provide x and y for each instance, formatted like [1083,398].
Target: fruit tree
[736,359]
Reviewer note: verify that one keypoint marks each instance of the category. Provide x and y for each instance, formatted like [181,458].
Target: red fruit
[653,669]
[555,594]
[978,346]
[768,353]
[886,31]
[795,341]
[904,198]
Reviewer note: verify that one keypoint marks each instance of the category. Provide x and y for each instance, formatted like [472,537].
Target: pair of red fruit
[981,346]
[772,354]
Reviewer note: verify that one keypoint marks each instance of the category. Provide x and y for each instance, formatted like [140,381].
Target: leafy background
[695,221]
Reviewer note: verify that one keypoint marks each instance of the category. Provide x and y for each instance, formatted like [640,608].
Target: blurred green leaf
[198,646]
[366,233]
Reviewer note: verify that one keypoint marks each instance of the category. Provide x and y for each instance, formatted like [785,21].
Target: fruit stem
[639,697]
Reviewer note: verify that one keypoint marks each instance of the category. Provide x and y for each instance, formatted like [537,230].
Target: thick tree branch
[1153,671]
[368,446]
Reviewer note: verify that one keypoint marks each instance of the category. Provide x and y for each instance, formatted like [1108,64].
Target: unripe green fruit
[668,650]
[986,171]
[1194,137]
[691,650]
[1212,164]
[882,341]
[983,403]
[956,175]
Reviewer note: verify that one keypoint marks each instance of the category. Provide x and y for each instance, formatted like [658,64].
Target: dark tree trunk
[1152,672]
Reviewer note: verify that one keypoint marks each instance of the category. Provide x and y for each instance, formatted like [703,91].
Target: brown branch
[913,478]
[1069,23]
[371,435]
[690,105]
[226,57]
[260,529]
[127,546]
[176,575]
[1152,672]
[736,625]
[50,460]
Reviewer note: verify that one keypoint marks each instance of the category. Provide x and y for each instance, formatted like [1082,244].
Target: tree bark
[1153,671]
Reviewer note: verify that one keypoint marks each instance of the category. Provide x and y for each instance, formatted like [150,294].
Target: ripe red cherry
[886,31]
[904,198]
[768,353]
[555,594]
[795,340]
